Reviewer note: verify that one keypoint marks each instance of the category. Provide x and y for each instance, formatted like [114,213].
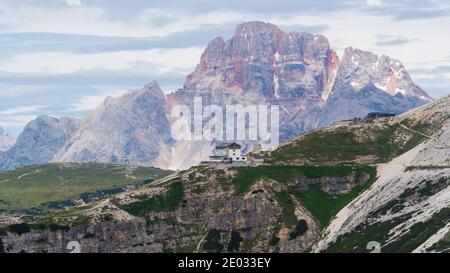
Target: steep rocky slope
[131,129]
[200,210]
[408,208]
[39,142]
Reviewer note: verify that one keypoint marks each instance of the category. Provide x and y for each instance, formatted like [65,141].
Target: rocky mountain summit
[130,129]
[259,64]
[41,139]
[302,74]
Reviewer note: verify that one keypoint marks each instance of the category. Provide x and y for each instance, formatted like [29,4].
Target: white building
[235,153]
[228,153]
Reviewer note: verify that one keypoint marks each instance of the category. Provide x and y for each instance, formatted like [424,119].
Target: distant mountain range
[6,140]
[260,64]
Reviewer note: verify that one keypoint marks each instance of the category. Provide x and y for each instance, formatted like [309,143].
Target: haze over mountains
[260,64]
[6,140]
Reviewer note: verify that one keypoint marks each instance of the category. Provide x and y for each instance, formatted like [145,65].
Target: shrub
[212,243]
[19,228]
[235,242]
[300,229]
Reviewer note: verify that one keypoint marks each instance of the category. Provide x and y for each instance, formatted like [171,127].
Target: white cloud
[90,102]
[22,110]
[374,2]
[60,63]
[73,2]
[89,20]
[12,123]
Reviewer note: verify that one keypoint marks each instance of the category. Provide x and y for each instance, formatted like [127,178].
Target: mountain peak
[152,85]
[261,57]
[255,27]
[39,141]
[151,89]
[360,68]
[129,129]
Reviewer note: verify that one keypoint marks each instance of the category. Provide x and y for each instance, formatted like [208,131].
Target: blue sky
[63,57]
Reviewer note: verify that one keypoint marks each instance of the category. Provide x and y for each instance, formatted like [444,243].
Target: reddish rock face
[260,57]
[302,74]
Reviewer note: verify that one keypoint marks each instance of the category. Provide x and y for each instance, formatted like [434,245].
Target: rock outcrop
[41,139]
[130,129]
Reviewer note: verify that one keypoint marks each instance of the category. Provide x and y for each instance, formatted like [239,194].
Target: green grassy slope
[373,142]
[321,205]
[31,186]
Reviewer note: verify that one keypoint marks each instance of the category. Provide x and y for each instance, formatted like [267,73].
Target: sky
[63,57]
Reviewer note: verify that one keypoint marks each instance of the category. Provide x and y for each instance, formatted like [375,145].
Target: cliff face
[131,129]
[39,142]
[104,237]
[199,211]
[261,64]
[261,58]
[302,74]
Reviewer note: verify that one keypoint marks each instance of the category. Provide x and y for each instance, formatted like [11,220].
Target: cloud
[90,102]
[374,2]
[59,62]
[22,110]
[14,124]
[409,9]
[89,44]
[388,40]
[73,2]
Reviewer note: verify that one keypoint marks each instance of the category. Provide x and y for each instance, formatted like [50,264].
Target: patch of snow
[277,56]
[356,85]
[376,64]
[399,90]
[276,83]
[354,61]
[382,87]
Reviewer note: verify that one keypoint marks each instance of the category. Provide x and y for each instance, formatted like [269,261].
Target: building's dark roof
[375,115]
[221,146]
[228,146]
[234,146]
